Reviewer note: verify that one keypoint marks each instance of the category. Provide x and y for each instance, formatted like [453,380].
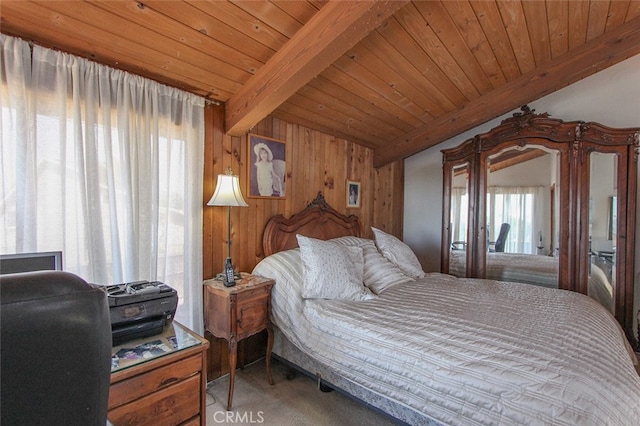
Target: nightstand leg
[269,348]
[233,359]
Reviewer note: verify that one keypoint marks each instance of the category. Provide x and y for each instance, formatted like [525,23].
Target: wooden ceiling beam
[599,53]
[513,158]
[336,28]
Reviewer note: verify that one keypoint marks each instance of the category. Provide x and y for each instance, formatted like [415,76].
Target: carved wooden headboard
[318,220]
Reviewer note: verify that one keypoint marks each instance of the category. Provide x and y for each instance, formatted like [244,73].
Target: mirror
[603,199]
[459,216]
[566,190]
[520,213]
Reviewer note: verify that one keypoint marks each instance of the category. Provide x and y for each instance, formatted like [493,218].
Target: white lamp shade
[228,192]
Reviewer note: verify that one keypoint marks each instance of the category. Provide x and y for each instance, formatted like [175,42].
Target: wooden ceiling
[396,76]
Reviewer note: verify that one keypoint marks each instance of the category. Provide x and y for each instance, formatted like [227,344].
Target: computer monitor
[28,262]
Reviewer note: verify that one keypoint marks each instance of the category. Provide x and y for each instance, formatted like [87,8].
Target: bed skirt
[290,355]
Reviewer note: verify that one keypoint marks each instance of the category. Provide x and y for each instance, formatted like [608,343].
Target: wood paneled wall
[315,162]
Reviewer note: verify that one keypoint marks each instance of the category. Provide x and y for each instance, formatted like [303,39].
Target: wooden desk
[160,377]
[235,313]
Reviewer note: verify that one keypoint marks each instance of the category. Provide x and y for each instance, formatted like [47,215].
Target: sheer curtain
[523,209]
[106,167]
[459,214]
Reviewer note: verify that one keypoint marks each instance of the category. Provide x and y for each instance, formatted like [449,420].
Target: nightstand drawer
[252,316]
[256,294]
[144,384]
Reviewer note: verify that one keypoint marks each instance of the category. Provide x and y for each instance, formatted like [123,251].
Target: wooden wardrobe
[589,200]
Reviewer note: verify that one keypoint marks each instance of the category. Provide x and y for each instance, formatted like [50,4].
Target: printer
[140,309]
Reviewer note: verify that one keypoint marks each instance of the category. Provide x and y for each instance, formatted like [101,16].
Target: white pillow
[379,273]
[332,271]
[399,253]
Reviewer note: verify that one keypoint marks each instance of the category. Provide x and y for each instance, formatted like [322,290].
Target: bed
[436,349]
[524,268]
[535,270]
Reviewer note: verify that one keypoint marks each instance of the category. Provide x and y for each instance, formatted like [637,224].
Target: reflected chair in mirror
[56,350]
[459,245]
[498,245]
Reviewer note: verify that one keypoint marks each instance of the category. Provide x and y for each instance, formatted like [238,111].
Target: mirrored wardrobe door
[458,209]
[459,220]
[601,228]
[519,214]
[607,217]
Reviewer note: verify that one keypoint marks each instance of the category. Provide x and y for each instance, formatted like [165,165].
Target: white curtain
[523,209]
[459,214]
[106,167]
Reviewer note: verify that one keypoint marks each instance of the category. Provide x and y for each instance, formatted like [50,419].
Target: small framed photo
[353,194]
[267,171]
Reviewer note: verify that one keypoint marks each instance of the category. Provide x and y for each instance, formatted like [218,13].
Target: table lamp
[228,194]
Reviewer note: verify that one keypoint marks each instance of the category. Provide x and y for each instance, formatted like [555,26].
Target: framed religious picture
[267,171]
[353,194]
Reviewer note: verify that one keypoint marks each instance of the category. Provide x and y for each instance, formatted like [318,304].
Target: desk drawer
[172,405]
[138,386]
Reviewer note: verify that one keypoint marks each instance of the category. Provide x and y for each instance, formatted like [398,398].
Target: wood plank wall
[315,162]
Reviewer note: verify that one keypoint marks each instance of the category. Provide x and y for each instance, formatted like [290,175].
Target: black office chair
[56,350]
[498,245]
[459,245]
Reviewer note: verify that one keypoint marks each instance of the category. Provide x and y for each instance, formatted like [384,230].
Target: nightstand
[160,377]
[235,313]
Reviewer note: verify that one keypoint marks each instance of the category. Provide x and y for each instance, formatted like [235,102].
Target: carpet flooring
[295,402]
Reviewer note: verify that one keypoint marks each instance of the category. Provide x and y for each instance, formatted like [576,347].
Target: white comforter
[468,351]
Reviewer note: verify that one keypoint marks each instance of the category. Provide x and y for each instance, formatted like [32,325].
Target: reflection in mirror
[602,228]
[459,218]
[520,213]
[567,243]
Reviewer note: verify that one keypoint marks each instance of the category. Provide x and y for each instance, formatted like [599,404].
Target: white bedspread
[468,351]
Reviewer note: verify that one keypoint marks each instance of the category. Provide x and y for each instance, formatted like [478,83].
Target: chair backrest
[502,237]
[56,350]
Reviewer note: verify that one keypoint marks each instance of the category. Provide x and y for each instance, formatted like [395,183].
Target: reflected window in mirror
[602,227]
[459,220]
[520,182]
[521,209]
[519,214]
[459,216]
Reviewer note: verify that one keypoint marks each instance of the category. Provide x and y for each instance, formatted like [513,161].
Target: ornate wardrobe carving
[577,218]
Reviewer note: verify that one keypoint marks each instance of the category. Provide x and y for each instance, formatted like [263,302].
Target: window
[104,166]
